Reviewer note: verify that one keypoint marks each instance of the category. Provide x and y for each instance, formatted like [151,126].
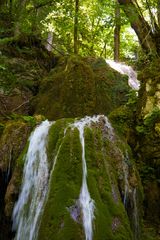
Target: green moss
[104,166]
[122,119]
[76,80]
[13,140]
[2,126]
[62,92]
[147,126]
[56,133]
[101,179]
[18,73]
[64,191]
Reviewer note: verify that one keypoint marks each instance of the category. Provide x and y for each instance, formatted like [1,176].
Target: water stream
[126,183]
[135,216]
[86,202]
[128,70]
[29,206]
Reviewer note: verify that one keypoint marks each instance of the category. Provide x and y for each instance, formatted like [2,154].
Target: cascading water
[126,174]
[86,203]
[135,215]
[129,190]
[27,211]
[124,69]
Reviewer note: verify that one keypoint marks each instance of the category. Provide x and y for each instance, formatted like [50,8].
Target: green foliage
[96,21]
[152,118]
[132,98]
[149,122]
[147,173]
[64,187]
[28,119]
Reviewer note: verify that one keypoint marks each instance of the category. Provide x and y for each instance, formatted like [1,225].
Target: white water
[86,202]
[29,206]
[124,69]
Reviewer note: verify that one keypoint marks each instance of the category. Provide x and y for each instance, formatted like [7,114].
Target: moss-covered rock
[79,87]
[109,173]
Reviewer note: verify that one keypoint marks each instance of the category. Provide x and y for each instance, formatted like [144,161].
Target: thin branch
[54,48]
[24,103]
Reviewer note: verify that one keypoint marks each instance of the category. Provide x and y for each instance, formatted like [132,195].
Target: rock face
[12,143]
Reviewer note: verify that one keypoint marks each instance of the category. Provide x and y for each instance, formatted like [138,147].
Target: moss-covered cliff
[148,139]
[106,182]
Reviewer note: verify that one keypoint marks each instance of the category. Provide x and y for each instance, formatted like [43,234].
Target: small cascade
[8,173]
[86,203]
[135,216]
[130,196]
[126,183]
[29,206]
[128,70]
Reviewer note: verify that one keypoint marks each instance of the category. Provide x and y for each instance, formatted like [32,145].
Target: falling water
[135,215]
[124,69]
[126,183]
[9,166]
[87,204]
[34,187]
[128,190]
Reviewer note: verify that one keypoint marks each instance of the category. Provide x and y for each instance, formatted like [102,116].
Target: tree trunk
[19,16]
[140,26]
[158,12]
[117,33]
[76,27]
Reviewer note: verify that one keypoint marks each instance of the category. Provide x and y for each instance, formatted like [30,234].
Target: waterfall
[124,69]
[86,203]
[27,211]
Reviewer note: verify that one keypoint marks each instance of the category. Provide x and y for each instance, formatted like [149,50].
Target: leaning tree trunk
[140,26]
[18,17]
